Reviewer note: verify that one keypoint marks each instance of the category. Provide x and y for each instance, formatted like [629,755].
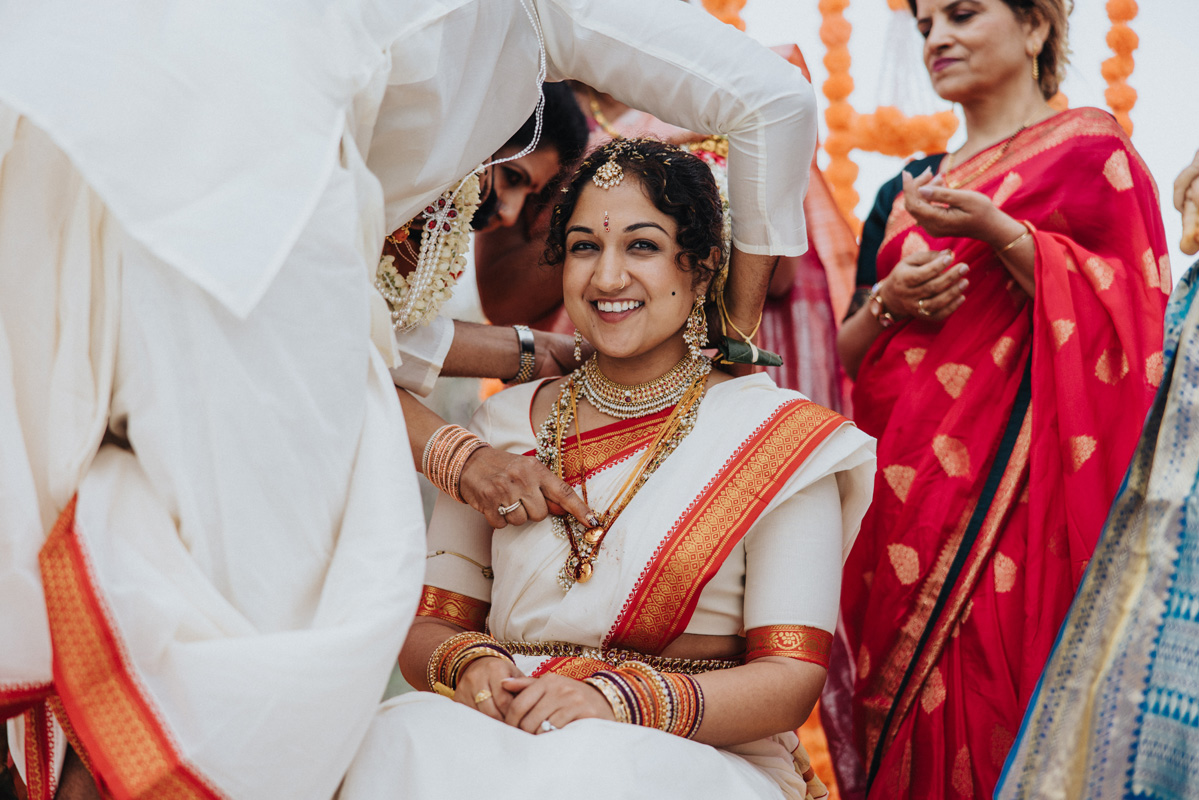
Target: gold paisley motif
[914,355]
[1155,369]
[899,478]
[962,779]
[1063,329]
[953,378]
[953,455]
[906,563]
[933,694]
[1005,573]
[1081,450]
[1152,273]
[1001,742]
[1112,366]
[863,662]
[1166,278]
[1100,272]
[1010,184]
[1001,351]
[913,243]
[1117,172]
[1071,263]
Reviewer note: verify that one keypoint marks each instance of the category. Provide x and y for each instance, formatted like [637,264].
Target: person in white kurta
[192,201]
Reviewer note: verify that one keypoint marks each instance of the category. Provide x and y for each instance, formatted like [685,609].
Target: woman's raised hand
[494,479]
[554,699]
[924,285]
[481,686]
[955,212]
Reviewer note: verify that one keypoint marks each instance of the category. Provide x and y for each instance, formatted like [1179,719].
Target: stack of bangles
[452,656]
[641,695]
[445,455]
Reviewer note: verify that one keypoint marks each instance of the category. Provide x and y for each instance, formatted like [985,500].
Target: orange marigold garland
[888,130]
[727,11]
[1122,40]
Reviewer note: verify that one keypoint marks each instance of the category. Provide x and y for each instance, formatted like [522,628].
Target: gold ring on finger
[921,308]
[483,695]
[506,510]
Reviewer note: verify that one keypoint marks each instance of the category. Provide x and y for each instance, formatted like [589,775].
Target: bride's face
[621,280]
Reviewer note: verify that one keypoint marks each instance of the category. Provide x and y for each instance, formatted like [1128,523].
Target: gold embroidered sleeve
[789,641]
[458,609]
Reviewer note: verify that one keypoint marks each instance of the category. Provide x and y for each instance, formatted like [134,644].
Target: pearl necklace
[640,399]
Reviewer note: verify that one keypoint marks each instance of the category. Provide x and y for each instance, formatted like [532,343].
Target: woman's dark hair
[679,185]
[563,125]
[1055,53]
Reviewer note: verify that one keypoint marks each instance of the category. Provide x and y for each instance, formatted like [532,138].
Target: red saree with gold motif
[1004,433]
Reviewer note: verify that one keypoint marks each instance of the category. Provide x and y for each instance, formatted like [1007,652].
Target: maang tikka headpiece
[610,174]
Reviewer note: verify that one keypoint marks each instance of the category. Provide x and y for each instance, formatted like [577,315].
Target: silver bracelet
[528,354]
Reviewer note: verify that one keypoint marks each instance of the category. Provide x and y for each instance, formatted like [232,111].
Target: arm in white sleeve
[422,353]
[793,561]
[460,539]
[689,69]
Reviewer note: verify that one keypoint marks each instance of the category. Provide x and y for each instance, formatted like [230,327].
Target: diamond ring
[506,510]
[483,695]
[547,726]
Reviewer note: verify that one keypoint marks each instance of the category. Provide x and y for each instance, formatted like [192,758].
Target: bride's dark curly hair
[678,184]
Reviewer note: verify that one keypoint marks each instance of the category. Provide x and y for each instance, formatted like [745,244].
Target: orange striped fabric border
[665,597]
[125,740]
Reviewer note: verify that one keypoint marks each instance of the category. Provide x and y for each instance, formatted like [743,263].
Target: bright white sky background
[1165,118]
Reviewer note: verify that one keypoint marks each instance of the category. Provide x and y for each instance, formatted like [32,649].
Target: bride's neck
[639,369]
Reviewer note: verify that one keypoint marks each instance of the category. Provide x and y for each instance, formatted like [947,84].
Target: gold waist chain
[615,656]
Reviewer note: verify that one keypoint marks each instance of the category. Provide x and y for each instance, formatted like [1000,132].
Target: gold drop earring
[695,333]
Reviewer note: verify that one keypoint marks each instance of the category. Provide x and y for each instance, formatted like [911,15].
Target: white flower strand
[436,273]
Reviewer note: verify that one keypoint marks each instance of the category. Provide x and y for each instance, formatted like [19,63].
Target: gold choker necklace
[640,399]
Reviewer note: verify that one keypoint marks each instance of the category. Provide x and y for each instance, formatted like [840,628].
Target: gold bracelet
[1014,242]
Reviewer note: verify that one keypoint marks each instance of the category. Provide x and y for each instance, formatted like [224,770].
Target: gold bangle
[1013,243]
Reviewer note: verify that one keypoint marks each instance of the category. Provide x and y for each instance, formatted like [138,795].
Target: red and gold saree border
[15,699]
[889,696]
[1032,142]
[801,642]
[668,590]
[607,445]
[126,743]
[454,608]
[40,779]
[575,667]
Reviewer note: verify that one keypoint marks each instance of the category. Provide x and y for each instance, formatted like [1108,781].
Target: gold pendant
[593,535]
[584,573]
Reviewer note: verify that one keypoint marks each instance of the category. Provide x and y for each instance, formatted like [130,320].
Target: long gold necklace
[990,162]
[584,542]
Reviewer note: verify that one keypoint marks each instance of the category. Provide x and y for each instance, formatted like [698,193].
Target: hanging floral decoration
[887,130]
[728,11]
[1123,41]
[415,298]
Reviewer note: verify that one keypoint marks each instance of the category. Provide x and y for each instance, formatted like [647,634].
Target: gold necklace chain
[990,162]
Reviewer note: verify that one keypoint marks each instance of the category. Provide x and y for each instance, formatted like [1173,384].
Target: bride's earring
[695,334]
[578,345]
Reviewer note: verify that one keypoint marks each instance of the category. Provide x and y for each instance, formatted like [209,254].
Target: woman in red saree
[1006,403]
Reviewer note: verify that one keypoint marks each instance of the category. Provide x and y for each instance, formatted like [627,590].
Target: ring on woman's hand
[483,695]
[506,510]
[547,726]
[920,307]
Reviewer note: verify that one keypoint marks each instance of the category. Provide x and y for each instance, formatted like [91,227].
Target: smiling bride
[676,642]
